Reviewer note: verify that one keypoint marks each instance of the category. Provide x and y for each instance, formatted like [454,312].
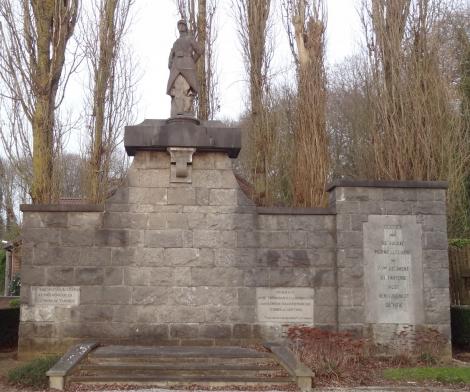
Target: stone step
[176,352]
[178,367]
[172,379]
[109,361]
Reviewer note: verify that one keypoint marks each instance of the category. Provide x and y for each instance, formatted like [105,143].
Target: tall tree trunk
[107,42]
[203,106]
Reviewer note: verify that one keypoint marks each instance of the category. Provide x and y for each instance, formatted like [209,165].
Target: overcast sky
[153,31]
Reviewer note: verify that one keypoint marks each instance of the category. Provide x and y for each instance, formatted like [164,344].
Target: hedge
[460,324]
[9,324]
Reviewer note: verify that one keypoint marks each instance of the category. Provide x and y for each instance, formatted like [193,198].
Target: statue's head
[182,26]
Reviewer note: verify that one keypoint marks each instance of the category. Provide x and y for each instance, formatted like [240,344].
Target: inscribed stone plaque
[285,305]
[393,270]
[56,296]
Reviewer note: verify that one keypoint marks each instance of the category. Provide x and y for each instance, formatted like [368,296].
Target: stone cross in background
[183,85]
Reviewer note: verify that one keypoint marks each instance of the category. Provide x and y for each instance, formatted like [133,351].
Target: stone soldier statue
[183,85]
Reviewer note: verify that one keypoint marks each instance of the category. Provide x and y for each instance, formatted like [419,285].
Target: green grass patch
[444,375]
[33,374]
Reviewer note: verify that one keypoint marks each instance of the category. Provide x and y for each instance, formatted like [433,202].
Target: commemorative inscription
[393,270]
[285,305]
[56,296]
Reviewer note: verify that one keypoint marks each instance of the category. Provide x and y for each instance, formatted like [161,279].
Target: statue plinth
[204,136]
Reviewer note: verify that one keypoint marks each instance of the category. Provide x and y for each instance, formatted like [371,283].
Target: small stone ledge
[294,211]
[62,207]
[301,373]
[67,363]
[386,184]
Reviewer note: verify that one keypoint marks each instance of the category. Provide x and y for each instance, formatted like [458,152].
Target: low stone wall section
[158,254]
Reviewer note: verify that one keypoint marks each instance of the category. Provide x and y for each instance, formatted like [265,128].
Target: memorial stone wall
[188,258]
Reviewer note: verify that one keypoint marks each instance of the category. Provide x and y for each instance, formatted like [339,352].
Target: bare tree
[33,40]
[110,102]
[306,26]
[200,15]
[253,30]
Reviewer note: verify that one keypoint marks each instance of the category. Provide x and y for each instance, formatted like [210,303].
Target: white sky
[153,31]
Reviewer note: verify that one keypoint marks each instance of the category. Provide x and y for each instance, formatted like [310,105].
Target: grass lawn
[444,375]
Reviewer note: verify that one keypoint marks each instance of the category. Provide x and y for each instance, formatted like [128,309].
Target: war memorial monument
[180,256]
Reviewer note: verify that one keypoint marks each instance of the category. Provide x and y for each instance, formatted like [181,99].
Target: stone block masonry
[197,262]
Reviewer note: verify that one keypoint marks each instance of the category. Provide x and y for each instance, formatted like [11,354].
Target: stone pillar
[392,262]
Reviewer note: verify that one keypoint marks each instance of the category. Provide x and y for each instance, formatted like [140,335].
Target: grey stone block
[273,239]
[430,208]
[351,277]
[88,276]
[435,223]
[351,315]
[435,240]
[222,277]
[150,295]
[438,278]
[216,314]
[247,239]
[326,296]
[215,331]
[324,278]
[438,316]
[324,314]
[113,276]
[114,238]
[278,223]
[350,239]
[246,296]
[123,256]
[190,257]
[256,277]
[400,194]
[242,331]
[78,237]
[157,221]
[150,178]
[351,296]
[181,314]
[298,239]
[223,197]
[347,258]
[182,196]
[163,276]
[34,276]
[184,331]
[59,276]
[124,220]
[53,256]
[291,277]
[216,179]
[435,259]
[322,240]
[151,196]
[182,276]
[398,208]
[202,196]
[124,314]
[164,238]
[92,313]
[347,207]
[177,221]
[33,236]
[189,296]
[151,160]
[235,257]
[94,257]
